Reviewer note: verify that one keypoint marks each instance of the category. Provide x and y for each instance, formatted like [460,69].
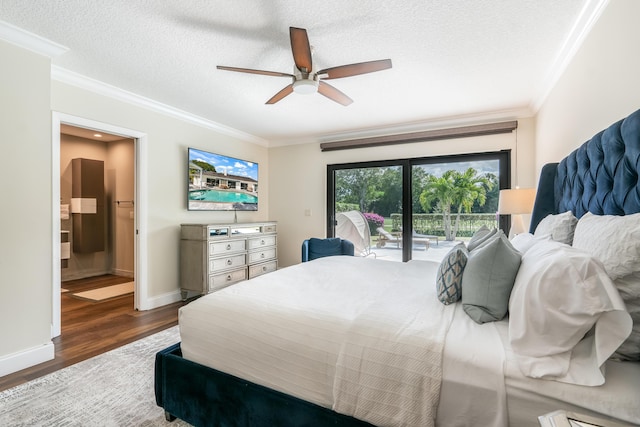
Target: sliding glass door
[451,200]
[367,200]
[415,208]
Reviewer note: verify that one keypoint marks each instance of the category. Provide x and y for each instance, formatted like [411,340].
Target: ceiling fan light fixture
[305,86]
[305,78]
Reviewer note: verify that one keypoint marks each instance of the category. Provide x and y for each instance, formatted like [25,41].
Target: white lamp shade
[516,201]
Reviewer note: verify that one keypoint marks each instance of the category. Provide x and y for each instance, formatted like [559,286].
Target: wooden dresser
[214,256]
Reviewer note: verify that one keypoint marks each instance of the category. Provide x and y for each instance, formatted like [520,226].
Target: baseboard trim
[125,273]
[162,300]
[25,359]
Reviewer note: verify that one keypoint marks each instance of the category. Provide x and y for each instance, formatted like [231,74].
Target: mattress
[306,329]
[472,391]
[482,384]
[363,337]
[527,398]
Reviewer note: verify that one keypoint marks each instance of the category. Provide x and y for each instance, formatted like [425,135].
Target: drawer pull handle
[229,247]
[228,278]
[262,242]
[229,262]
[264,268]
[262,255]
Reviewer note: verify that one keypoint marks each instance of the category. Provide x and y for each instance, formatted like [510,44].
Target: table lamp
[516,202]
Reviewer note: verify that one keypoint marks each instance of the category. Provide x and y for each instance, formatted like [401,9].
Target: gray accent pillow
[488,279]
[449,279]
[482,235]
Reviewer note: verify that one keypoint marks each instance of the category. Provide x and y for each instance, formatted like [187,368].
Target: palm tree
[440,190]
[455,192]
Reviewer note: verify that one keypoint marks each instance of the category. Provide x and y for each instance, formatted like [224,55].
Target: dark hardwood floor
[91,328]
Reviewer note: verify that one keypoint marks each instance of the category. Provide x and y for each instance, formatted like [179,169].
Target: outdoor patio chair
[418,240]
[415,236]
[385,237]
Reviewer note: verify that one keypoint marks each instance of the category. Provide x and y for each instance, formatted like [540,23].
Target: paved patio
[435,252]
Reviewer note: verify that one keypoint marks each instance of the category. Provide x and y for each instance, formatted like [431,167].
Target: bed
[353,341]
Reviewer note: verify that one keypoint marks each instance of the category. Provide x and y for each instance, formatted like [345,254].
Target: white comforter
[361,336]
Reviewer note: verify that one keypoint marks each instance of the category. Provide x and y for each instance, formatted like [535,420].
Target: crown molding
[33,42]
[78,80]
[589,15]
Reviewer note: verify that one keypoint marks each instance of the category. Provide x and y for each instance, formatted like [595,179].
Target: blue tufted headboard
[601,176]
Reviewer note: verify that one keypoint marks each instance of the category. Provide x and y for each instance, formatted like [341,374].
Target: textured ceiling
[453,60]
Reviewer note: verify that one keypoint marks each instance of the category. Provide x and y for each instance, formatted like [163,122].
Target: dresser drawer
[261,242]
[263,255]
[225,263]
[264,268]
[219,281]
[226,247]
[271,228]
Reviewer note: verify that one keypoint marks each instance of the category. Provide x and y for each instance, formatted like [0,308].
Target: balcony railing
[433,224]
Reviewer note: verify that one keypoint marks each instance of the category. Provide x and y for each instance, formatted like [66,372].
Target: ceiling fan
[305,77]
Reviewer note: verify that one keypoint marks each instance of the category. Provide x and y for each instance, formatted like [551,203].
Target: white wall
[598,88]
[27,99]
[168,140]
[298,176]
[26,226]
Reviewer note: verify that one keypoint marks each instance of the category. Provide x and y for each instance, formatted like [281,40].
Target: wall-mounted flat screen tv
[221,183]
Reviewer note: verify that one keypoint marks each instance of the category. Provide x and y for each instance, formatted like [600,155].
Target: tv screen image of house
[221,183]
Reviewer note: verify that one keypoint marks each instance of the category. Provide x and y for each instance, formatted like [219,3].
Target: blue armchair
[317,248]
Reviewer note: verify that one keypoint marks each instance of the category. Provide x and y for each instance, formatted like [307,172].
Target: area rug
[112,389]
[107,292]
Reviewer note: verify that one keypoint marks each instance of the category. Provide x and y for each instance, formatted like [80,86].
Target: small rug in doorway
[107,292]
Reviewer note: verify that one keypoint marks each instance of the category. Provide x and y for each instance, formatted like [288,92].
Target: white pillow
[614,240]
[560,294]
[561,227]
[524,241]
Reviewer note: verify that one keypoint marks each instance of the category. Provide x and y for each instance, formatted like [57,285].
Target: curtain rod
[429,135]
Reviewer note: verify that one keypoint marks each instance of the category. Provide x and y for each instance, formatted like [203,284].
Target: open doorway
[97,201]
[115,250]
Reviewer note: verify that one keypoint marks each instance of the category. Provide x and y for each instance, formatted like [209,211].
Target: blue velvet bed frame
[601,176]
[206,397]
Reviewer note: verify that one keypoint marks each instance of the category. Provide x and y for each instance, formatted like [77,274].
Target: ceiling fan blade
[278,96]
[300,48]
[333,94]
[355,69]
[250,71]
